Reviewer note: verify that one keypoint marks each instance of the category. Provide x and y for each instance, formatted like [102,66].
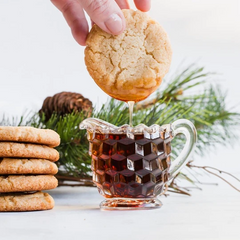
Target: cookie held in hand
[130,66]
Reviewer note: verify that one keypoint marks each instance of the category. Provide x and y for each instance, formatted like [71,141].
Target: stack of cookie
[27,157]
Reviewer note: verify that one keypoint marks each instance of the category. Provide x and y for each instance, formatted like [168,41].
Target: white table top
[213,213]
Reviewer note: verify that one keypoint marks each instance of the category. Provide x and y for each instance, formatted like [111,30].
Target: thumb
[106,14]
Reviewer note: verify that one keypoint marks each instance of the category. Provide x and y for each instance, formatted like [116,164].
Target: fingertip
[143,5]
[115,24]
[106,14]
[123,4]
[80,32]
[81,41]
[75,17]
[123,22]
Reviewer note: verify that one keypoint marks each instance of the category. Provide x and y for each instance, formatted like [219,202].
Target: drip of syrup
[130,106]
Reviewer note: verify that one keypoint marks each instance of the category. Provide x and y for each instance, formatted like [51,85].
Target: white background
[38,58]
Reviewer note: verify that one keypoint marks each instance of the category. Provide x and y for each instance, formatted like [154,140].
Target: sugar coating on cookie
[129,66]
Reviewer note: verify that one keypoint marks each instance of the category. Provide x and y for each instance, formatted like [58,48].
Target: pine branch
[188,95]
[206,168]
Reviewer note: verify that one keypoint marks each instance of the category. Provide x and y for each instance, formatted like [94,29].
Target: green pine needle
[206,108]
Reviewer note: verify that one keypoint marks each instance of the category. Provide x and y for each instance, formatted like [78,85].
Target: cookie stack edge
[27,167]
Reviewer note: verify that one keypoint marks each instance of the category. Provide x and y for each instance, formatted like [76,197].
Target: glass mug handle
[185,127]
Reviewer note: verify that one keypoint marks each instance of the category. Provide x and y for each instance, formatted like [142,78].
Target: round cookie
[19,202]
[27,150]
[25,183]
[29,135]
[129,66]
[27,166]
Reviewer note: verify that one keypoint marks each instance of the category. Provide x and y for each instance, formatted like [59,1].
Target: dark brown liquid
[130,168]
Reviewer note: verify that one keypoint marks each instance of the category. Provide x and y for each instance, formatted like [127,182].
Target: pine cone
[65,102]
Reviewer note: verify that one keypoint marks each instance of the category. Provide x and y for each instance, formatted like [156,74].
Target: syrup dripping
[130,106]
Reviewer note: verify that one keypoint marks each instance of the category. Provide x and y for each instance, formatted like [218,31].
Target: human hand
[106,14]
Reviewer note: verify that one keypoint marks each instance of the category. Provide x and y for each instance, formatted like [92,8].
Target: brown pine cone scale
[65,102]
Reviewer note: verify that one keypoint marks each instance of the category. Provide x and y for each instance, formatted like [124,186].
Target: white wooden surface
[213,213]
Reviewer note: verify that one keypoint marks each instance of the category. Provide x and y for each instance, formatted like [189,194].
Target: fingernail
[114,24]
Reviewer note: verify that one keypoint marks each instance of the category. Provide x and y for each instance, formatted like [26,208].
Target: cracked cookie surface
[129,66]
[18,202]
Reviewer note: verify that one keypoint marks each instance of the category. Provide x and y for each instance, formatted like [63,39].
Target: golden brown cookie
[27,166]
[29,135]
[27,150]
[19,202]
[129,66]
[26,183]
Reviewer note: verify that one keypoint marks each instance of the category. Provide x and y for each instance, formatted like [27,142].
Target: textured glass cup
[131,165]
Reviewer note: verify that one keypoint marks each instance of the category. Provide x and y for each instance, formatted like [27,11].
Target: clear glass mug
[131,165]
